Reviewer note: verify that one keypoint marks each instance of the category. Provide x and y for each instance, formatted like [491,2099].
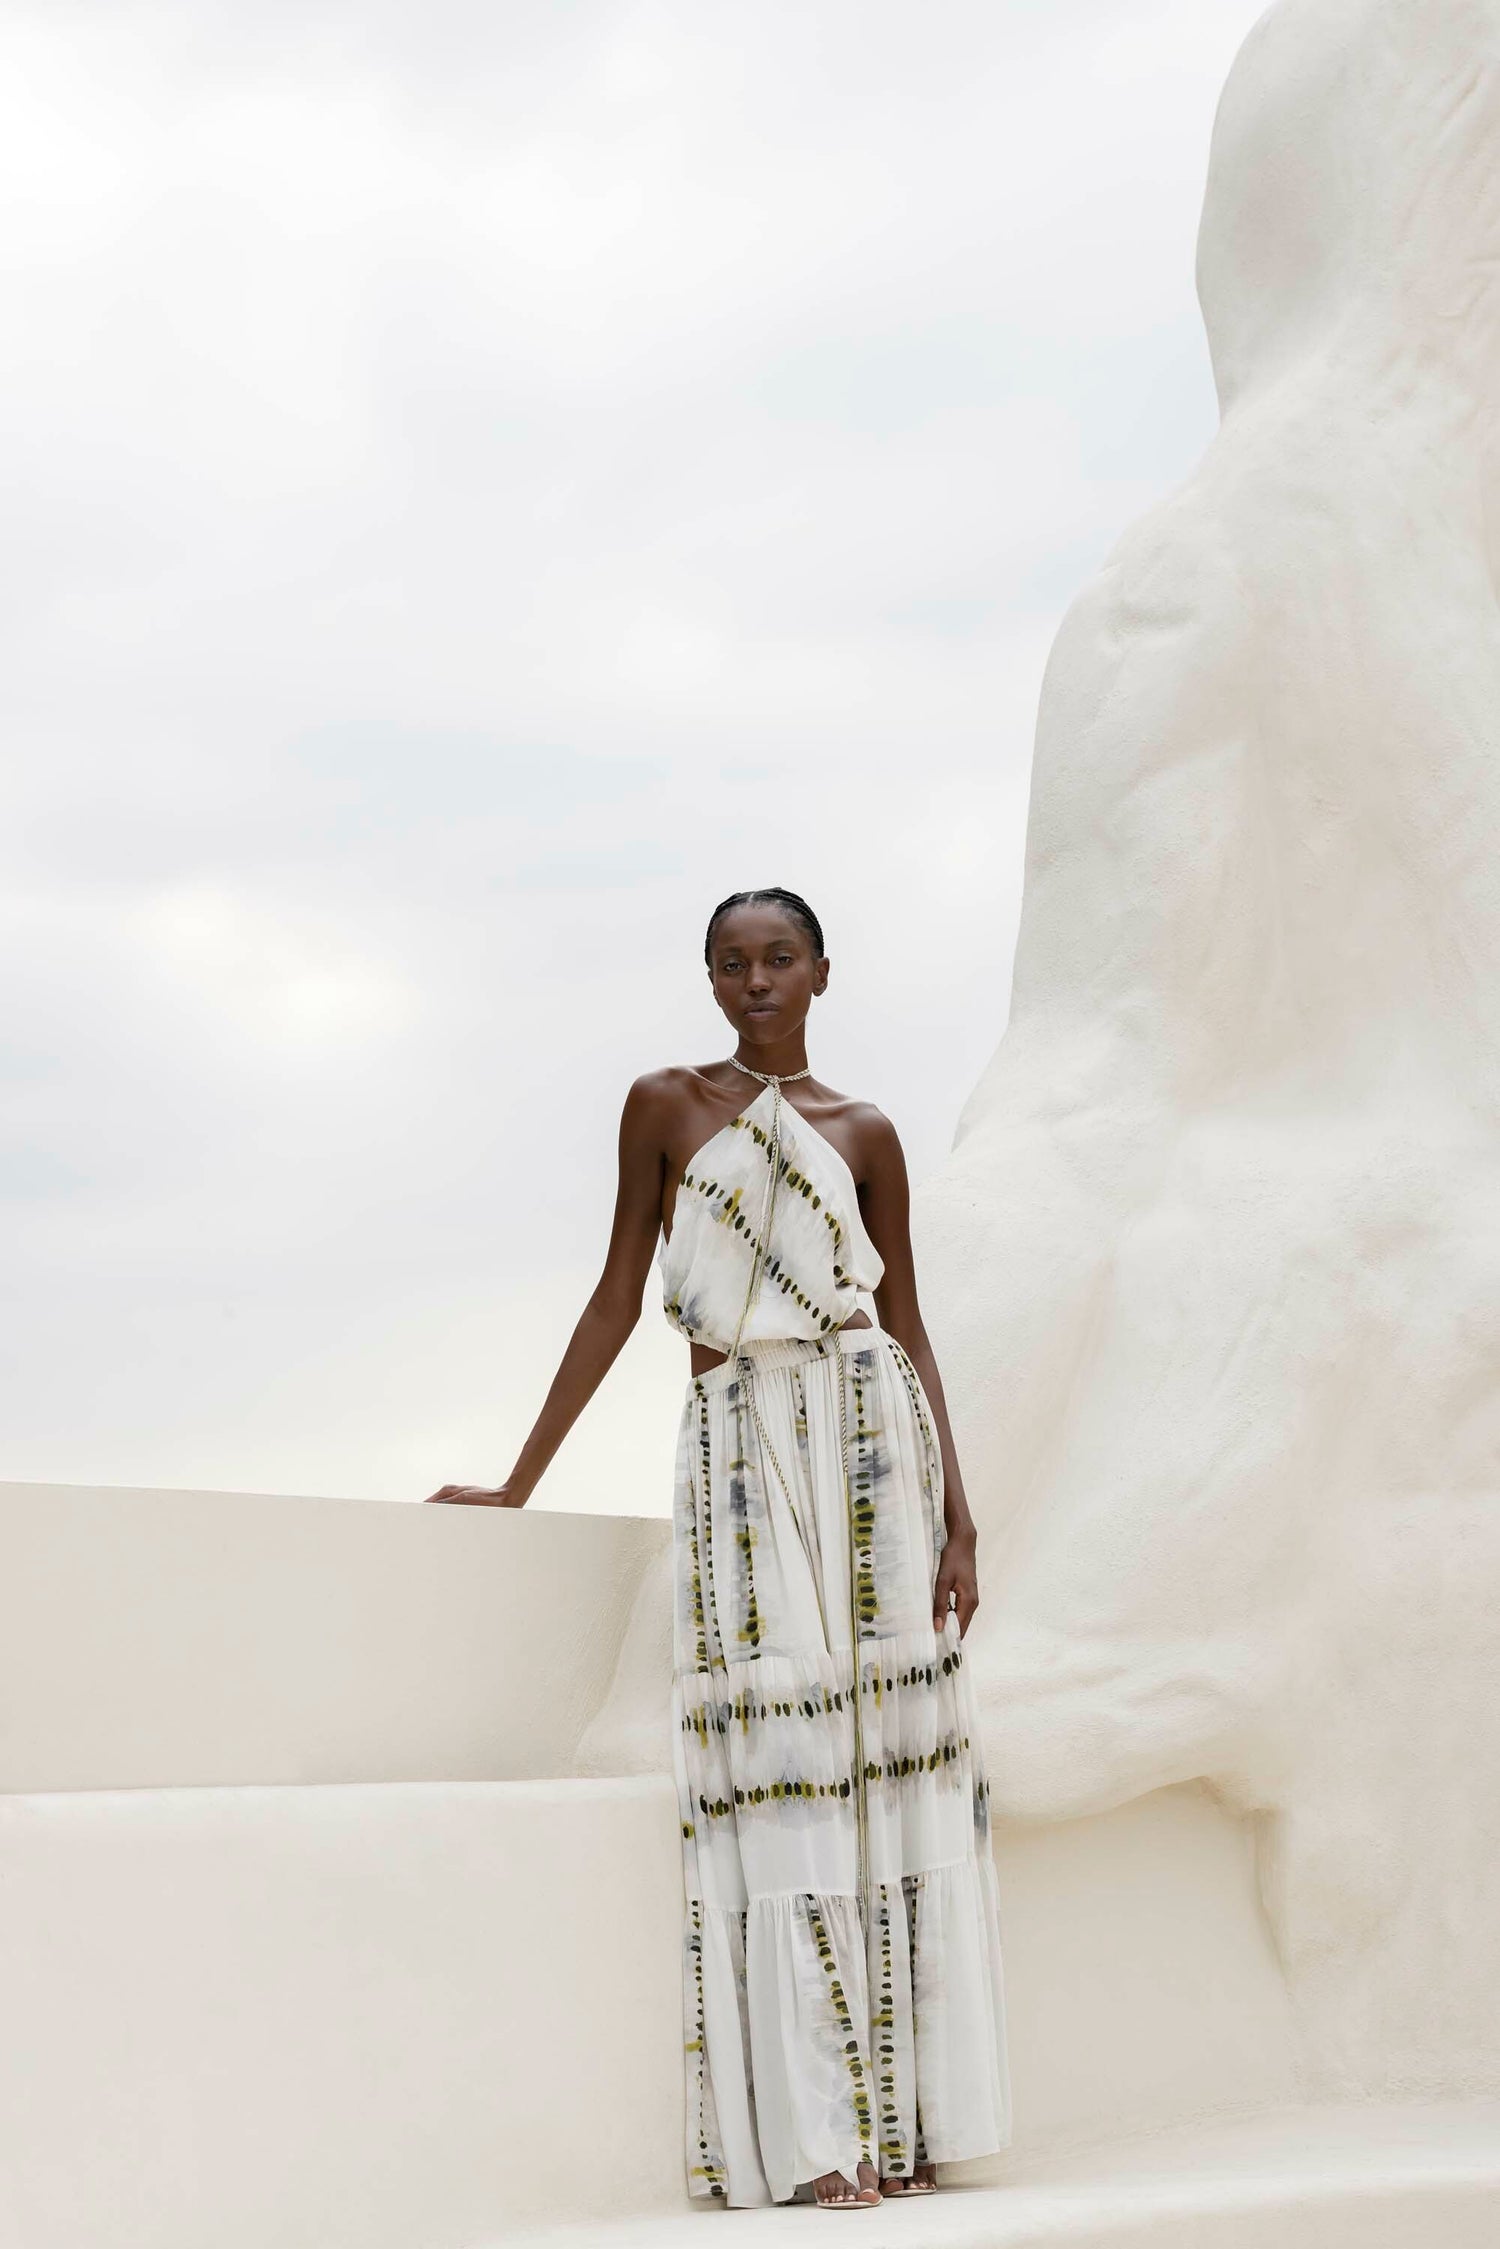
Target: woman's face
[764,972]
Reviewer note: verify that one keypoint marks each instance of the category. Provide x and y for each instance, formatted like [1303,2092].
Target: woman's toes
[834,2189]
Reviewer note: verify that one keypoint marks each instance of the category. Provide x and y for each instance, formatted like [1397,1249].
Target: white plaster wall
[1213,1271]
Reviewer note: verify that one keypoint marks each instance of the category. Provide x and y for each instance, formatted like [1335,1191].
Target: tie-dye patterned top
[820,1264]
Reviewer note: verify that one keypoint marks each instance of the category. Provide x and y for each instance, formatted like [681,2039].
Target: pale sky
[482,483]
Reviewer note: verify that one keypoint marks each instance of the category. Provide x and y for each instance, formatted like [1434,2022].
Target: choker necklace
[764,1076]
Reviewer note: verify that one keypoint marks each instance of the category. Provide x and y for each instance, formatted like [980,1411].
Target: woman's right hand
[476,1495]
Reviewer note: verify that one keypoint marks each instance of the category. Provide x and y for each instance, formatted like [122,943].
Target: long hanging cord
[747,1374]
[861,1805]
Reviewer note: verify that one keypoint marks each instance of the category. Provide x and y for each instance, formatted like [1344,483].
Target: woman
[843,1991]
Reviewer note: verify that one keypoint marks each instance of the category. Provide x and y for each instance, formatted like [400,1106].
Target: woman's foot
[923,2180]
[833,2191]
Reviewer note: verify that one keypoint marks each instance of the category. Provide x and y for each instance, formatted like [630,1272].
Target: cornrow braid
[797,907]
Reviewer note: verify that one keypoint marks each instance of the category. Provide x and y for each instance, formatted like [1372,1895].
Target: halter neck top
[820,1265]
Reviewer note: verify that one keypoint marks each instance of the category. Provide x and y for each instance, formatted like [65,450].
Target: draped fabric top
[820,1265]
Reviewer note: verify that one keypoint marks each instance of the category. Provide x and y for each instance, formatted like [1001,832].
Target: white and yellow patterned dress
[843,1989]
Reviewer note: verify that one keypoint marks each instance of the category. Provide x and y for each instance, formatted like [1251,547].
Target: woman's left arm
[885,1204]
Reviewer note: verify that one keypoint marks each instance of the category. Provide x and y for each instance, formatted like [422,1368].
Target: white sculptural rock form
[1213,1271]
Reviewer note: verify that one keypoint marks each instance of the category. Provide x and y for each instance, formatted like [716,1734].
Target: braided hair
[797,907]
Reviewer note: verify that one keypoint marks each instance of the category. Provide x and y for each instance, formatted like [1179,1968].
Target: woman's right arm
[612,1310]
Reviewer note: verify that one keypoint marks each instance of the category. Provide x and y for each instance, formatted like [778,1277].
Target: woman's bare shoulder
[671,1080]
[861,1118]
[663,1096]
[863,1133]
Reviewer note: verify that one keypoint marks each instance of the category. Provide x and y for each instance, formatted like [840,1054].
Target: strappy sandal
[906,2189]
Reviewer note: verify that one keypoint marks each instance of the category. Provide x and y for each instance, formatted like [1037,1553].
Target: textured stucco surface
[1213,1271]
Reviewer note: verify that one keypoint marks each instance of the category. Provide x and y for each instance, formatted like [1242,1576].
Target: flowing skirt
[843,1993]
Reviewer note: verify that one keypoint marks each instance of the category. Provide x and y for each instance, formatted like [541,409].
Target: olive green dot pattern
[706,2173]
[852,2046]
[746,1513]
[910,1889]
[895,2150]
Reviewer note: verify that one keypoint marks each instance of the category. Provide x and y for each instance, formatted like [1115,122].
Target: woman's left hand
[477,1495]
[956,1576]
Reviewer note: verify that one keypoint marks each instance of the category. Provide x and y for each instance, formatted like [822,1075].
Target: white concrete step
[412,2015]
[432,2000]
[1368,2176]
[162,1639]
[439,2016]
[391,2017]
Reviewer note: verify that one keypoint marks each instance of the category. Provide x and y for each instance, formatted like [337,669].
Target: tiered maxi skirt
[843,1992]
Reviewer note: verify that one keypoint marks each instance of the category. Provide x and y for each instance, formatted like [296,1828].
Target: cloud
[485,483]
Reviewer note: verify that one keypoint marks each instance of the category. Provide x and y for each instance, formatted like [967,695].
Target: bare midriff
[703,1358]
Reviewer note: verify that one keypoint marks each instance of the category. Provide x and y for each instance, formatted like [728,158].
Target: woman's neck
[784,1059]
